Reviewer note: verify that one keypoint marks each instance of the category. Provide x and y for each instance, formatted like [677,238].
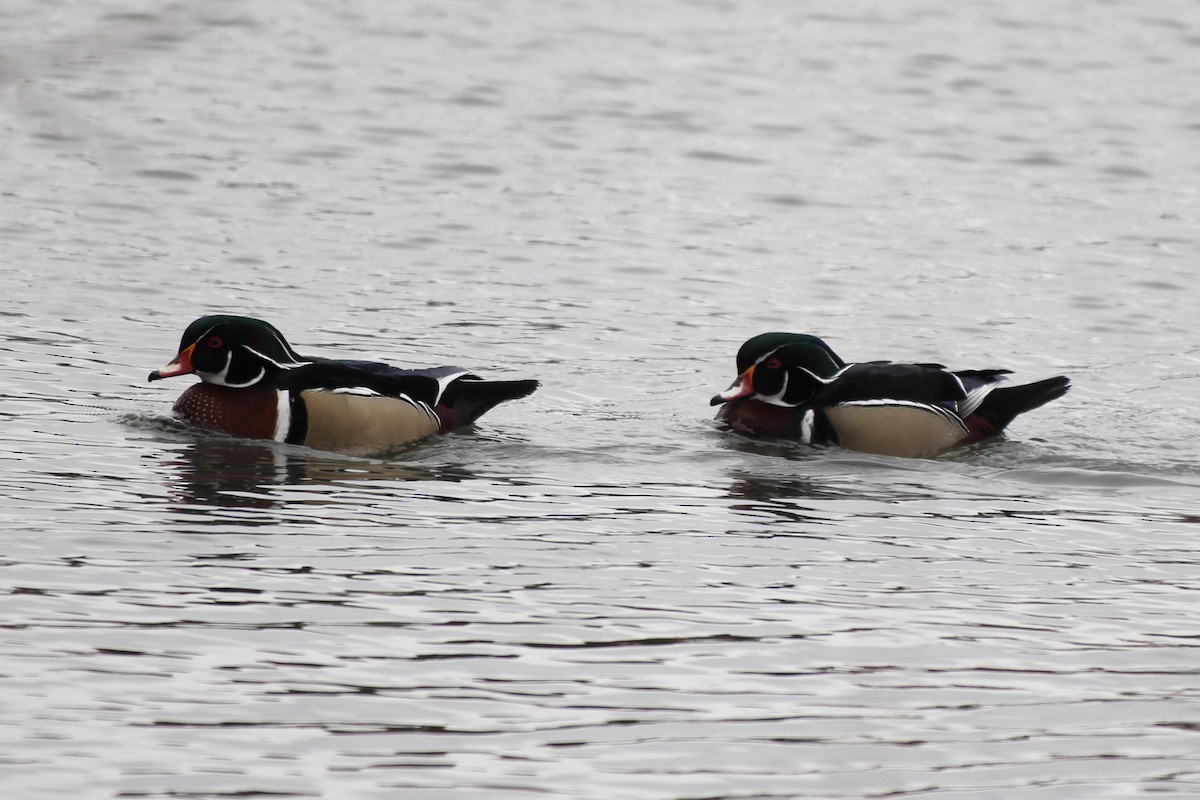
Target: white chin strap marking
[777,398]
[220,380]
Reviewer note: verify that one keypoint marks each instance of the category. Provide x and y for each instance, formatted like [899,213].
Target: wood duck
[253,384]
[794,386]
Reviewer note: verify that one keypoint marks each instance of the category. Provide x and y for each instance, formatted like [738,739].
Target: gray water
[596,593]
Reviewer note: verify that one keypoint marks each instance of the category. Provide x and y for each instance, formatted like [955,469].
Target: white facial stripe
[281,365]
[283,415]
[287,348]
[221,378]
[815,376]
[217,377]
[262,372]
[777,398]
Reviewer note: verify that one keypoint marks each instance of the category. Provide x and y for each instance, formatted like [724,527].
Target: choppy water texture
[596,593]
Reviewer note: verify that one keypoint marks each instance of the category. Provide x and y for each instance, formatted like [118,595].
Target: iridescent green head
[236,352]
[802,350]
[783,369]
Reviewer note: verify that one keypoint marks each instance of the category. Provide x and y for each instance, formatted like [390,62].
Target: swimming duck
[253,384]
[793,385]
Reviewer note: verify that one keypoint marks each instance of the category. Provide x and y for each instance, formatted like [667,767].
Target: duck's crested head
[232,351]
[795,349]
[783,369]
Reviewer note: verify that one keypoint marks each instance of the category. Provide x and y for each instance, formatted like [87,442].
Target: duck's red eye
[772,363]
[215,341]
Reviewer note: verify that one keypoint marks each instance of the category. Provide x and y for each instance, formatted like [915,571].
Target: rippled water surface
[596,593]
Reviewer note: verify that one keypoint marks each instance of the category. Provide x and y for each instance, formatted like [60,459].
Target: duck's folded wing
[373,377]
[456,396]
[885,380]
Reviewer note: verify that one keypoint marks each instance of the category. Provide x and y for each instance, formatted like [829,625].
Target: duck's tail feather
[1003,404]
[468,398]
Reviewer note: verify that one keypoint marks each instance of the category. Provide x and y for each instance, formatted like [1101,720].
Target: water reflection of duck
[242,473]
[253,384]
[795,386]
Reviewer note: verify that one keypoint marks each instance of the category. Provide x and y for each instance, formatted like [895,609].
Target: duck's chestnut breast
[247,412]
